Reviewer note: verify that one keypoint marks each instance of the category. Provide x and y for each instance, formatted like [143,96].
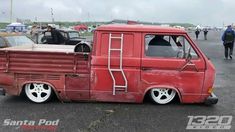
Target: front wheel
[162,95]
[38,92]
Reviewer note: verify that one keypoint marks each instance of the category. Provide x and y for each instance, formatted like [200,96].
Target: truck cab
[127,62]
[162,62]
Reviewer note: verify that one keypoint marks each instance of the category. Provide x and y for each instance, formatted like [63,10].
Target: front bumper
[212,99]
[2,92]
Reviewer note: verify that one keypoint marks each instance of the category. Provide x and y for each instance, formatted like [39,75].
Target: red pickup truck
[127,63]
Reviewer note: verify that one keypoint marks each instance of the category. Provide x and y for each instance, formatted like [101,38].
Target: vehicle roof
[10,34]
[139,28]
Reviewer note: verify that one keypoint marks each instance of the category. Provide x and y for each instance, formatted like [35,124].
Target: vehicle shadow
[147,102]
[22,100]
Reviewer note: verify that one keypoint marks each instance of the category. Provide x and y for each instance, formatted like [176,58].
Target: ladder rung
[120,86]
[116,49]
[115,70]
[116,37]
[120,89]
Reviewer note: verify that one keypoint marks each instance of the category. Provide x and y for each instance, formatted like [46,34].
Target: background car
[71,37]
[10,40]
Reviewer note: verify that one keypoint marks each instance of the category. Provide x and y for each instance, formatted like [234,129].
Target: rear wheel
[38,92]
[162,95]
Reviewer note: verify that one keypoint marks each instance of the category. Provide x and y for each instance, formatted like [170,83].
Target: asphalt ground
[123,117]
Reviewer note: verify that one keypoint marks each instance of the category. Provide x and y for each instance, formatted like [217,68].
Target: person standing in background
[205,31]
[228,42]
[197,32]
[34,33]
[57,37]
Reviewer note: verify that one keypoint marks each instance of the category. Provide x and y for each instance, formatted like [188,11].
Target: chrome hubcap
[38,92]
[162,96]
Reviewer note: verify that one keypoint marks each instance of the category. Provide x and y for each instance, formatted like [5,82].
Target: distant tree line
[3,25]
[68,24]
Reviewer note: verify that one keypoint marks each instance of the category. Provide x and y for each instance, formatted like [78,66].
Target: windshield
[18,40]
[73,35]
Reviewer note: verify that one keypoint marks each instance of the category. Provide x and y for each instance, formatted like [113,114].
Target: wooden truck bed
[43,58]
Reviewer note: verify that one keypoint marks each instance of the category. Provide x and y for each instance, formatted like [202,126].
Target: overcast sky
[203,12]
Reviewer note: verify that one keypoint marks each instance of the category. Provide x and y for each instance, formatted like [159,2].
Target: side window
[186,49]
[168,46]
[64,34]
[2,42]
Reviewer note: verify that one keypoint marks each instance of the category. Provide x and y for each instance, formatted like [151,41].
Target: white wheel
[162,95]
[38,92]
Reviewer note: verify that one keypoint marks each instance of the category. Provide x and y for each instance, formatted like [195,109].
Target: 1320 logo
[209,122]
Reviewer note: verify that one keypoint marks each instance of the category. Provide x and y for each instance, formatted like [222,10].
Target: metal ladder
[120,68]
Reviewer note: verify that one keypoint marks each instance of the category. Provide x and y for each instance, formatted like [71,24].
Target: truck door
[77,84]
[171,61]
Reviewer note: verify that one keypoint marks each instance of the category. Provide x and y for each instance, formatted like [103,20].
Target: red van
[127,62]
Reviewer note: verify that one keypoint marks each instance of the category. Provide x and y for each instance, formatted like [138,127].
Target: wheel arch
[22,87]
[147,90]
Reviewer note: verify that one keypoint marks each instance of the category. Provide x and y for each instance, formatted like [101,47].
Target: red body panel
[74,77]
